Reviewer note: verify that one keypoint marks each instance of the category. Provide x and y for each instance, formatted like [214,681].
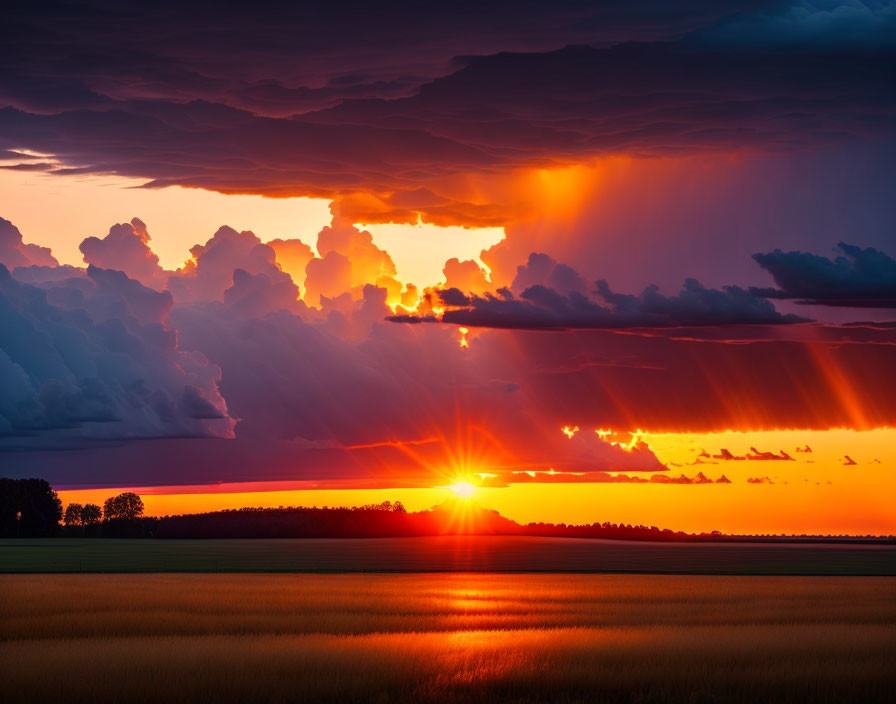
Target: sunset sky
[627,262]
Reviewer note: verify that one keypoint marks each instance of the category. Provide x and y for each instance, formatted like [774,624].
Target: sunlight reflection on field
[437,637]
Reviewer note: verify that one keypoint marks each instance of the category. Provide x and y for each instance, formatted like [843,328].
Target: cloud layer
[405,118]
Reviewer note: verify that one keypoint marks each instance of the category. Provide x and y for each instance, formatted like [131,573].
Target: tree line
[31,508]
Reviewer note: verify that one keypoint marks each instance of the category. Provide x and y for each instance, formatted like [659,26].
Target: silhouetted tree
[91,514]
[127,506]
[72,515]
[28,508]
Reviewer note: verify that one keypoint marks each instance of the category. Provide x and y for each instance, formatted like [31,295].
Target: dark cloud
[37,275]
[554,477]
[864,278]
[41,166]
[700,478]
[278,59]
[543,270]
[338,102]
[724,454]
[89,359]
[755,454]
[541,307]
[810,23]
[195,405]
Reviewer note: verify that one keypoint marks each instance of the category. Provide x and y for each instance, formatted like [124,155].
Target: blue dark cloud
[857,277]
[830,24]
[90,359]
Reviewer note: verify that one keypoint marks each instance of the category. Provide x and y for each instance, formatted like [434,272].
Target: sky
[613,261]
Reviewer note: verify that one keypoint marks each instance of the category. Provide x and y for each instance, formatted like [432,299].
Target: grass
[446,637]
[435,554]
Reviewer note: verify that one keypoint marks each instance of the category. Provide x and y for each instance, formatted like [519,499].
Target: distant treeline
[390,520]
[31,508]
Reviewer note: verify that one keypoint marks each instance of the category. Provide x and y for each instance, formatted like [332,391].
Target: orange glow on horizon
[815,492]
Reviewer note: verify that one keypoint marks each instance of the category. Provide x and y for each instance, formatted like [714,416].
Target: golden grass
[346,638]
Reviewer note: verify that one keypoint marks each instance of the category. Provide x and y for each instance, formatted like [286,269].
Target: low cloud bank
[225,370]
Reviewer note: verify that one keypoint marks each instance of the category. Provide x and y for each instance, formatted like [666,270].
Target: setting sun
[463,489]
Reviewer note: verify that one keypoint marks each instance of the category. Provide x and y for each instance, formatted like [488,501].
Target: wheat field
[446,637]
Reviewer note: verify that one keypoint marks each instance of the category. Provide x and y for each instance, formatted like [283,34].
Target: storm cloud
[568,305]
[314,110]
[857,277]
[89,359]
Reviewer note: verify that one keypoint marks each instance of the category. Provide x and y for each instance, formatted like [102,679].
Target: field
[446,637]
[443,554]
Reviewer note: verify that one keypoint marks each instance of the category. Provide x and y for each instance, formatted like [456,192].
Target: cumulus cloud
[327,277]
[91,359]
[210,270]
[856,277]
[369,263]
[293,256]
[465,276]
[14,252]
[258,294]
[350,381]
[542,270]
[126,248]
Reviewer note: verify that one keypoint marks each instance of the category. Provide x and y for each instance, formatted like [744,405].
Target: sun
[463,489]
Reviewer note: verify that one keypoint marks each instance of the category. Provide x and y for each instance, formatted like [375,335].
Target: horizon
[463,505]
